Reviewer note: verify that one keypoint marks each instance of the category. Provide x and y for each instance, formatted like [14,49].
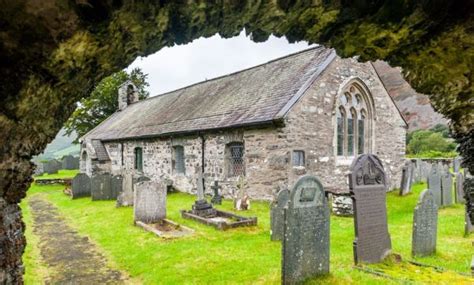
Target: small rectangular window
[298,158]
[138,159]
[235,157]
[178,159]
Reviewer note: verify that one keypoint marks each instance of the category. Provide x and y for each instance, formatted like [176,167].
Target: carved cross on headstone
[216,198]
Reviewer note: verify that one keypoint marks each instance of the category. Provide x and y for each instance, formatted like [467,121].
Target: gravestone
[242,199]
[368,186]
[216,197]
[70,162]
[434,184]
[425,225]
[101,187]
[447,189]
[149,202]
[459,192]
[125,197]
[426,169]
[456,164]
[51,167]
[405,185]
[116,185]
[305,244]
[81,186]
[201,207]
[277,219]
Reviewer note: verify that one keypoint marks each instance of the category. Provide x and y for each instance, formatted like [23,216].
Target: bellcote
[127,94]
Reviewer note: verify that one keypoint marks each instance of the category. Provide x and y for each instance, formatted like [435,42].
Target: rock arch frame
[52,55]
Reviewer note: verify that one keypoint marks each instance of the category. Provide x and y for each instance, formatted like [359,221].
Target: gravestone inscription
[101,187]
[149,202]
[305,244]
[81,186]
[459,192]
[277,219]
[425,225]
[447,189]
[368,186]
[434,184]
[405,185]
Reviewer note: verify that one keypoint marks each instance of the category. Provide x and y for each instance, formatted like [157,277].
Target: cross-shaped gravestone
[200,187]
[216,198]
[368,186]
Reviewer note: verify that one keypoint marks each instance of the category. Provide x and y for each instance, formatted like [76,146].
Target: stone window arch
[354,120]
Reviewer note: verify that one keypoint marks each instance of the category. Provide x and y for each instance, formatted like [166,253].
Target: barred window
[138,159]
[235,159]
[178,159]
[298,158]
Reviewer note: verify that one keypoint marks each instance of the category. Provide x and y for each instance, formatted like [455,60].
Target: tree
[425,141]
[103,102]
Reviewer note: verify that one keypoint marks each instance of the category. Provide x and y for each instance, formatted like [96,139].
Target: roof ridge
[235,72]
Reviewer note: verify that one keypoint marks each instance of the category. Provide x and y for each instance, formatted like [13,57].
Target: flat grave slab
[221,220]
[166,229]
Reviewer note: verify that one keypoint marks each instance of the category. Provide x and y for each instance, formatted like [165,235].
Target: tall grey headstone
[51,167]
[277,219]
[101,187]
[459,192]
[81,186]
[149,202]
[447,189]
[456,164]
[405,185]
[70,162]
[116,185]
[305,245]
[368,186]
[425,225]
[125,197]
[434,184]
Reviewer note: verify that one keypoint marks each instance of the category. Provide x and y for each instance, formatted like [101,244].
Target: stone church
[306,113]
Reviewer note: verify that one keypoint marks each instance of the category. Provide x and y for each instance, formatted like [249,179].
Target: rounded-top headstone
[425,225]
[277,214]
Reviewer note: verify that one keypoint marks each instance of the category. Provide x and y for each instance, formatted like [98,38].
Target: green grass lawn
[243,255]
[63,173]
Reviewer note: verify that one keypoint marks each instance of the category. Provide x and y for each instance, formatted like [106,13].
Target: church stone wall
[309,126]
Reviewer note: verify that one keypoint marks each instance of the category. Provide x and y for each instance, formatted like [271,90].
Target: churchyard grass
[242,255]
[62,173]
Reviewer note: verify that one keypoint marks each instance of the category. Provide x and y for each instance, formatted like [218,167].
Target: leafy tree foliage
[103,101]
[434,142]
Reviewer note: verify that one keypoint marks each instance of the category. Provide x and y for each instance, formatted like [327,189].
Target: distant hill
[415,107]
[61,145]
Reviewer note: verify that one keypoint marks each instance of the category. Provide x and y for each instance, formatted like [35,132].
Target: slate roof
[100,150]
[254,96]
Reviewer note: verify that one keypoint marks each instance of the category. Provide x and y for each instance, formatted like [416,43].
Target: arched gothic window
[353,119]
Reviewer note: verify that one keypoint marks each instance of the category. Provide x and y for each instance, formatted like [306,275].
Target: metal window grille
[298,158]
[236,159]
[179,159]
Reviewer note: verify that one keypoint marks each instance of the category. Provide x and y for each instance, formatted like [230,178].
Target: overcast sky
[179,66]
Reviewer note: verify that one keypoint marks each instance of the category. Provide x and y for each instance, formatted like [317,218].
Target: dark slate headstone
[70,162]
[81,186]
[305,245]
[447,189]
[125,197]
[101,187]
[405,185]
[434,184]
[456,164]
[459,191]
[277,219]
[425,225]
[51,167]
[149,202]
[116,185]
[368,186]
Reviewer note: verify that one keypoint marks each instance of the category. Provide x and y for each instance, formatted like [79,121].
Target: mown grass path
[71,258]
